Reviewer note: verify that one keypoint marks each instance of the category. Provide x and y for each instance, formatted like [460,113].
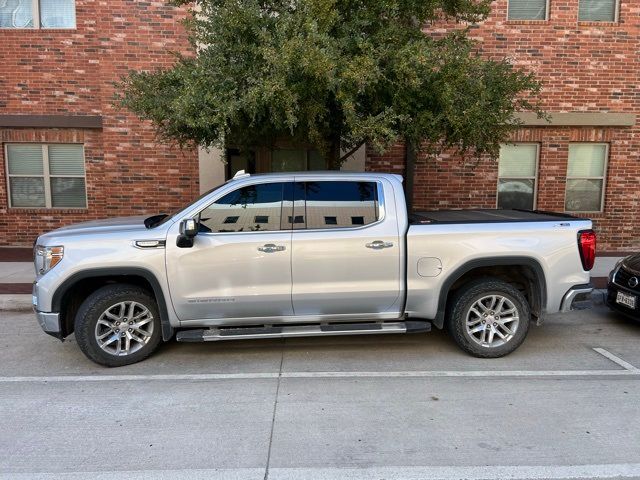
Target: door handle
[379,245]
[271,247]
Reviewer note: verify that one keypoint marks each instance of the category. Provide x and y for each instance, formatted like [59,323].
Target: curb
[599,296]
[20,302]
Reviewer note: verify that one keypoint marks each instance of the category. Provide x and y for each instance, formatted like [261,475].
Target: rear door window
[335,204]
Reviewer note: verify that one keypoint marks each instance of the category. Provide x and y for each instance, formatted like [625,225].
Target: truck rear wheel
[489,318]
[118,325]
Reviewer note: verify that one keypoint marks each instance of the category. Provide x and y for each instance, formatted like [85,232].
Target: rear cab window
[335,204]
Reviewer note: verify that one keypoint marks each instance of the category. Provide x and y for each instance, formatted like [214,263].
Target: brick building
[586,161]
[67,154]
[64,144]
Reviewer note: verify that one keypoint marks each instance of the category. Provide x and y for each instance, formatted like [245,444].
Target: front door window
[249,209]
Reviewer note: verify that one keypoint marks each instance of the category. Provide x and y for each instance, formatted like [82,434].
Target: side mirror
[188,230]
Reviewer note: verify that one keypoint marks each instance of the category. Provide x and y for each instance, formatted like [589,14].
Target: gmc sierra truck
[308,254]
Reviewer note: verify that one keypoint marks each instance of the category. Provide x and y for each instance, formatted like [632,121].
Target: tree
[335,74]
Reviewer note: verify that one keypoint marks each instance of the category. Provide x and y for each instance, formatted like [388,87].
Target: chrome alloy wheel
[492,321]
[124,328]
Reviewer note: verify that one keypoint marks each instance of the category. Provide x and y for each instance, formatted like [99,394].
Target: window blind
[66,160]
[527,9]
[518,160]
[586,160]
[25,159]
[597,10]
[68,192]
[57,14]
[27,191]
[16,14]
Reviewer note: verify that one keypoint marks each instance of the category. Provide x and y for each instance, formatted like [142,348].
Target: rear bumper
[572,294]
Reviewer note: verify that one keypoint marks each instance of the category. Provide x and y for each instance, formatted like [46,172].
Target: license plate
[626,300]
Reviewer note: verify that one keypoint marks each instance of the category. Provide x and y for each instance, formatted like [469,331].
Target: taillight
[587,246]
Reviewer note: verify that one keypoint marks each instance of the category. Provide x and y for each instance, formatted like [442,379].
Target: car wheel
[118,325]
[489,318]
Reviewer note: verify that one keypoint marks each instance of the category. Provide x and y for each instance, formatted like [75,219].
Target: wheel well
[82,288]
[525,278]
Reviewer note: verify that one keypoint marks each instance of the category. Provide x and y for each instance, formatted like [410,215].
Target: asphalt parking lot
[565,405]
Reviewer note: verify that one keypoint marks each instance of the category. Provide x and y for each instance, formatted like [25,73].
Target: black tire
[460,308]
[94,306]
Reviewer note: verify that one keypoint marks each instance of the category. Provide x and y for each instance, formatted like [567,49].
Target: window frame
[545,19]
[195,212]
[605,167]
[534,178]
[37,21]
[46,176]
[616,15]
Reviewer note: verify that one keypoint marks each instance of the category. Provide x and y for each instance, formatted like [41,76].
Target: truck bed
[485,216]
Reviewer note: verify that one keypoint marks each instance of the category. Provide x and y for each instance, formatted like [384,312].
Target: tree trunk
[333,159]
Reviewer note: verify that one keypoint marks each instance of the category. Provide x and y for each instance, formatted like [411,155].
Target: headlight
[47,258]
[613,272]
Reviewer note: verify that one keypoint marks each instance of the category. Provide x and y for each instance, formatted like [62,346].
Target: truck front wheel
[118,325]
[489,318]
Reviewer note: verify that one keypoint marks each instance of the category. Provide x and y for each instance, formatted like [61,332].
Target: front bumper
[49,321]
[572,294]
[612,293]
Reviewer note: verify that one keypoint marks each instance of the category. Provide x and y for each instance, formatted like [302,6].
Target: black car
[623,289]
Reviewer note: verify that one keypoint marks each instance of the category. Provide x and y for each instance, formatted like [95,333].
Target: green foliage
[335,74]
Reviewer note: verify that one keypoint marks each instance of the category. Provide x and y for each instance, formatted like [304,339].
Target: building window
[598,10]
[46,176]
[528,9]
[330,220]
[37,14]
[517,176]
[586,173]
[231,220]
[261,219]
[296,219]
[357,220]
[284,160]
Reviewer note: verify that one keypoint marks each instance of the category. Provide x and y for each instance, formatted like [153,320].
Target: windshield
[157,220]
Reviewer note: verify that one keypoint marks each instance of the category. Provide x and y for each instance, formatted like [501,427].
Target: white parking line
[187,474]
[551,472]
[473,374]
[257,376]
[618,360]
[136,378]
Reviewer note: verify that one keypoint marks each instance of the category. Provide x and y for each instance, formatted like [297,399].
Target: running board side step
[285,331]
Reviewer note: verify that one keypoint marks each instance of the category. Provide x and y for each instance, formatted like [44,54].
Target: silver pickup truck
[303,254]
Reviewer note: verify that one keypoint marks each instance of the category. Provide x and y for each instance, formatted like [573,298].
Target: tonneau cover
[486,216]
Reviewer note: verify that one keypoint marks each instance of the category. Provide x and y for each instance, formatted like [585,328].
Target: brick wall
[585,67]
[72,72]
